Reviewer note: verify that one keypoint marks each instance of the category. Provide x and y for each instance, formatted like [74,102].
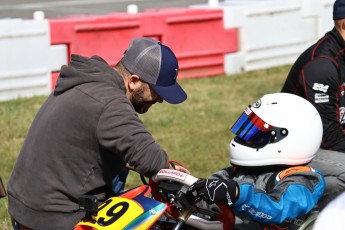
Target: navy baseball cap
[157,65]
[339,9]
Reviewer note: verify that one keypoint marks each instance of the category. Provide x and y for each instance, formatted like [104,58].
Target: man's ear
[133,82]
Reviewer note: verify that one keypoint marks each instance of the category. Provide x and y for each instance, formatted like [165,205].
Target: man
[88,130]
[319,76]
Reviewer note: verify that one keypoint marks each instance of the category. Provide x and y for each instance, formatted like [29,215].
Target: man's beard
[139,103]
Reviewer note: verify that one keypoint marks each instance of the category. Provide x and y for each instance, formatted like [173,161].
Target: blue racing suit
[274,197]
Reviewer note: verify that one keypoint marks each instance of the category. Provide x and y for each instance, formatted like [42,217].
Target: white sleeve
[332,216]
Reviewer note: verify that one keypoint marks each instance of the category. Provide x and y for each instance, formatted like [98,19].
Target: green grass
[196,132]
[15,119]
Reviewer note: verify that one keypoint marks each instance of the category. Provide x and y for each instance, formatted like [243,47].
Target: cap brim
[173,94]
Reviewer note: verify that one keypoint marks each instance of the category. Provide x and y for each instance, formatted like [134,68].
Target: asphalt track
[55,9]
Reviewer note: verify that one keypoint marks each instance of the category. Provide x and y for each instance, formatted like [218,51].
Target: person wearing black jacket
[88,130]
[319,76]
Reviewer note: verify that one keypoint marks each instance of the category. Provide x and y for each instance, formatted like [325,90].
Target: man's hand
[181,169]
[178,168]
[216,190]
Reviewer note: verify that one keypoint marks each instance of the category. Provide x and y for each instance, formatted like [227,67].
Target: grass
[15,119]
[196,132]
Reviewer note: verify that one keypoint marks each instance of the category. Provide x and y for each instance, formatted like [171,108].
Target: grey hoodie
[82,136]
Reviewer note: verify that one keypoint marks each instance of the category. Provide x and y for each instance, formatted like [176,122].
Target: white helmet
[278,129]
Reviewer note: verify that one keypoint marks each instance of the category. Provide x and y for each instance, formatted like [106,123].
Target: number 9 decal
[115,212]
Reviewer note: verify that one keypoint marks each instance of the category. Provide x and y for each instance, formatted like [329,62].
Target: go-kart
[162,203]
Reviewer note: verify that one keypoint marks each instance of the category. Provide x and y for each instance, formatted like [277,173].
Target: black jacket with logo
[80,139]
[319,76]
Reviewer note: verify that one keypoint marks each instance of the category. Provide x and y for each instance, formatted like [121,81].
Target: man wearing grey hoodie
[88,130]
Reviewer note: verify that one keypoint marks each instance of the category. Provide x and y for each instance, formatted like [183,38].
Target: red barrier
[197,36]
[106,36]
[54,77]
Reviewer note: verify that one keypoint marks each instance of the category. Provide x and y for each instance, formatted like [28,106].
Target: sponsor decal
[173,173]
[320,87]
[256,213]
[321,98]
[213,184]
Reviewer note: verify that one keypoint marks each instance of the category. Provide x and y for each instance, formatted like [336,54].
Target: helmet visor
[251,129]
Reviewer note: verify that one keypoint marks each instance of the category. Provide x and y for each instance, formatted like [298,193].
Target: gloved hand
[216,190]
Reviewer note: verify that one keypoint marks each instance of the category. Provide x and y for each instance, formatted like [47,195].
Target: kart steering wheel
[171,187]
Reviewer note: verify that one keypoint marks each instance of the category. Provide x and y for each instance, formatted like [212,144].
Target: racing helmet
[278,129]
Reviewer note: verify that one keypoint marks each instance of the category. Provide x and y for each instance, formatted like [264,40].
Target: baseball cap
[339,9]
[157,65]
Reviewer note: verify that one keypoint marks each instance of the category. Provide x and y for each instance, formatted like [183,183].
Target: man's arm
[121,132]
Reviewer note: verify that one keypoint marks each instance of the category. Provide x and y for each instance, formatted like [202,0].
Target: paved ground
[53,8]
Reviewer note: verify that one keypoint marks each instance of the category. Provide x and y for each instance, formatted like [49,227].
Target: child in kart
[268,181]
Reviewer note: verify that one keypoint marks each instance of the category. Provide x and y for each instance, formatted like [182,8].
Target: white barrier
[272,32]
[27,58]
[325,17]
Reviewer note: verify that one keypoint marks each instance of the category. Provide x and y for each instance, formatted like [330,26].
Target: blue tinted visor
[251,129]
